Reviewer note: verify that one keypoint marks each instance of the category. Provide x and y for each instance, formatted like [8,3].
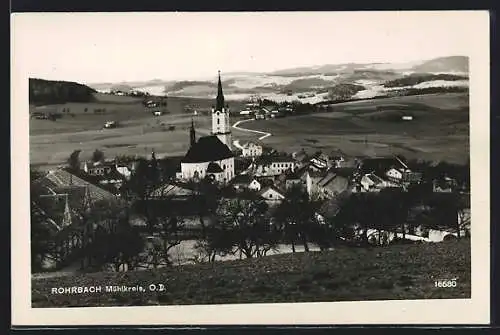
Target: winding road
[236,126]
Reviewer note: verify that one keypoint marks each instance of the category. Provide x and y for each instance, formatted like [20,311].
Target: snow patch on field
[152,90]
[443,83]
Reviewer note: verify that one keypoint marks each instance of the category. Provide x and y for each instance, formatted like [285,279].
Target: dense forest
[42,92]
[428,90]
[343,91]
[415,79]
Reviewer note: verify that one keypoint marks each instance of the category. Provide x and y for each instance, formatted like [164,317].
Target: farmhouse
[211,156]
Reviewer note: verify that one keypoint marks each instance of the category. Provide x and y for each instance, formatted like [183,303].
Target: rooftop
[207,149]
[242,179]
[62,178]
[171,190]
[214,168]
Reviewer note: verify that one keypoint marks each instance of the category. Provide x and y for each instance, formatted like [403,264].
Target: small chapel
[211,156]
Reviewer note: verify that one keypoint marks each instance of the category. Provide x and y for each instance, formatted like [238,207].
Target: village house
[124,170]
[113,179]
[273,165]
[272,195]
[381,165]
[246,182]
[444,185]
[372,183]
[97,168]
[107,174]
[331,186]
[403,176]
[395,175]
[320,161]
[251,149]
[325,185]
[311,180]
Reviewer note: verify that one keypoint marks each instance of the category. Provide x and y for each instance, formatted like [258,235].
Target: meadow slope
[344,274]
[140,132]
[439,130]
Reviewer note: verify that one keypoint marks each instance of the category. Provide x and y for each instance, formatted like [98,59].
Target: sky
[115,47]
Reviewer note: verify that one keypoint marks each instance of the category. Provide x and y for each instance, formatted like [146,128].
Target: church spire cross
[220,96]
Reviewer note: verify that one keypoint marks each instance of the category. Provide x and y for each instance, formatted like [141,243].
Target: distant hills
[306,84]
[43,92]
[451,64]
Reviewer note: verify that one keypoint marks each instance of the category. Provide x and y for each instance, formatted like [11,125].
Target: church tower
[220,118]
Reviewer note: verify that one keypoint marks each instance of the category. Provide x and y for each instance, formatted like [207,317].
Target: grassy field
[344,274]
[51,142]
[439,130]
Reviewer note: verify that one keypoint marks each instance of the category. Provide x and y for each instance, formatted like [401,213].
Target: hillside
[415,79]
[309,84]
[343,274]
[444,64]
[42,92]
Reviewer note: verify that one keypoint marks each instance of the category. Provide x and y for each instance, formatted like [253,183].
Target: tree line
[46,92]
[415,79]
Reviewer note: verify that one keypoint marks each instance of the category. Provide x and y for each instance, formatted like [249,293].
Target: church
[211,156]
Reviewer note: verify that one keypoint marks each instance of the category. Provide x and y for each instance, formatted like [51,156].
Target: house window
[218,121]
[270,195]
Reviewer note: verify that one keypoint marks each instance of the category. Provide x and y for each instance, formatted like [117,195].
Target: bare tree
[242,226]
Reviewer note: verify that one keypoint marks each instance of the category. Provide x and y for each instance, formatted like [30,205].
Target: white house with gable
[272,195]
[251,149]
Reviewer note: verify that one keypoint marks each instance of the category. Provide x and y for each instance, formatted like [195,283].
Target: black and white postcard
[250,168]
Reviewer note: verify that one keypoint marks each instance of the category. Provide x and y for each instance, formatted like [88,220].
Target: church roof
[207,149]
[214,168]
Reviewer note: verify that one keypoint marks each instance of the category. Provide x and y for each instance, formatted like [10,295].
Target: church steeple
[220,96]
[192,134]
